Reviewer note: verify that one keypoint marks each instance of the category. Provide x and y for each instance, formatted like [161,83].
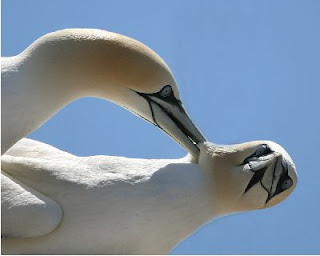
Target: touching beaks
[170,116]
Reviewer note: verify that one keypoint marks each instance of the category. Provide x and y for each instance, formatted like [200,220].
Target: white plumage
[116,205]
[56,203]
[69,64]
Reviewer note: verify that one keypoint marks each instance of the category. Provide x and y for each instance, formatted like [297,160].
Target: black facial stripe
[170,98]
[268,152]
[257,177]
[175,121]
[173,101]
[283,177]
[156,124]
[180,126]
[152,113]
[273,177]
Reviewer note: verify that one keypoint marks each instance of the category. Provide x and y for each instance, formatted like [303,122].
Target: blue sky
[247,70]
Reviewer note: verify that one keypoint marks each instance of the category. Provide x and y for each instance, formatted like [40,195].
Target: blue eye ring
[166,91]
[286,184]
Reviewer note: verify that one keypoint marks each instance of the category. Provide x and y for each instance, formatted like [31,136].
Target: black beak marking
[257,177]
[259,174]
[172,101]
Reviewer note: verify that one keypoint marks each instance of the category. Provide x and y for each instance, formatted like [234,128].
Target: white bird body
[116,205]
[111,205]
[69,64]
[57,203]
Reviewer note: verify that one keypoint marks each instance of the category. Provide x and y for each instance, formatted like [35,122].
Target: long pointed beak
[171,117]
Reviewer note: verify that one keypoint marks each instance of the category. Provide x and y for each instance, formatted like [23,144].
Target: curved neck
[63,66]
[29,98]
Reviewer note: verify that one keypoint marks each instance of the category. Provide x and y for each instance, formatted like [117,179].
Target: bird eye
[166,91]
[262,150]
[286,184]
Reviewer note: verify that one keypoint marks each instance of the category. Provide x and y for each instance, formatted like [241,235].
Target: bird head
[92,62]
[248,176]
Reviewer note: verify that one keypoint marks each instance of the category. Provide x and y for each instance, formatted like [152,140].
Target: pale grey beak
[170,116]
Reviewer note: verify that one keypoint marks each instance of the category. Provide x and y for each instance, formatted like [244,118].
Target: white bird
[116,205]
[73,63]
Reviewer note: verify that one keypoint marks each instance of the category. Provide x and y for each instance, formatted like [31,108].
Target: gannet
[69,64]
[117,205]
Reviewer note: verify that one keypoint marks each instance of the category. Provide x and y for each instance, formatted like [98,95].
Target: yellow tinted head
[248,176]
